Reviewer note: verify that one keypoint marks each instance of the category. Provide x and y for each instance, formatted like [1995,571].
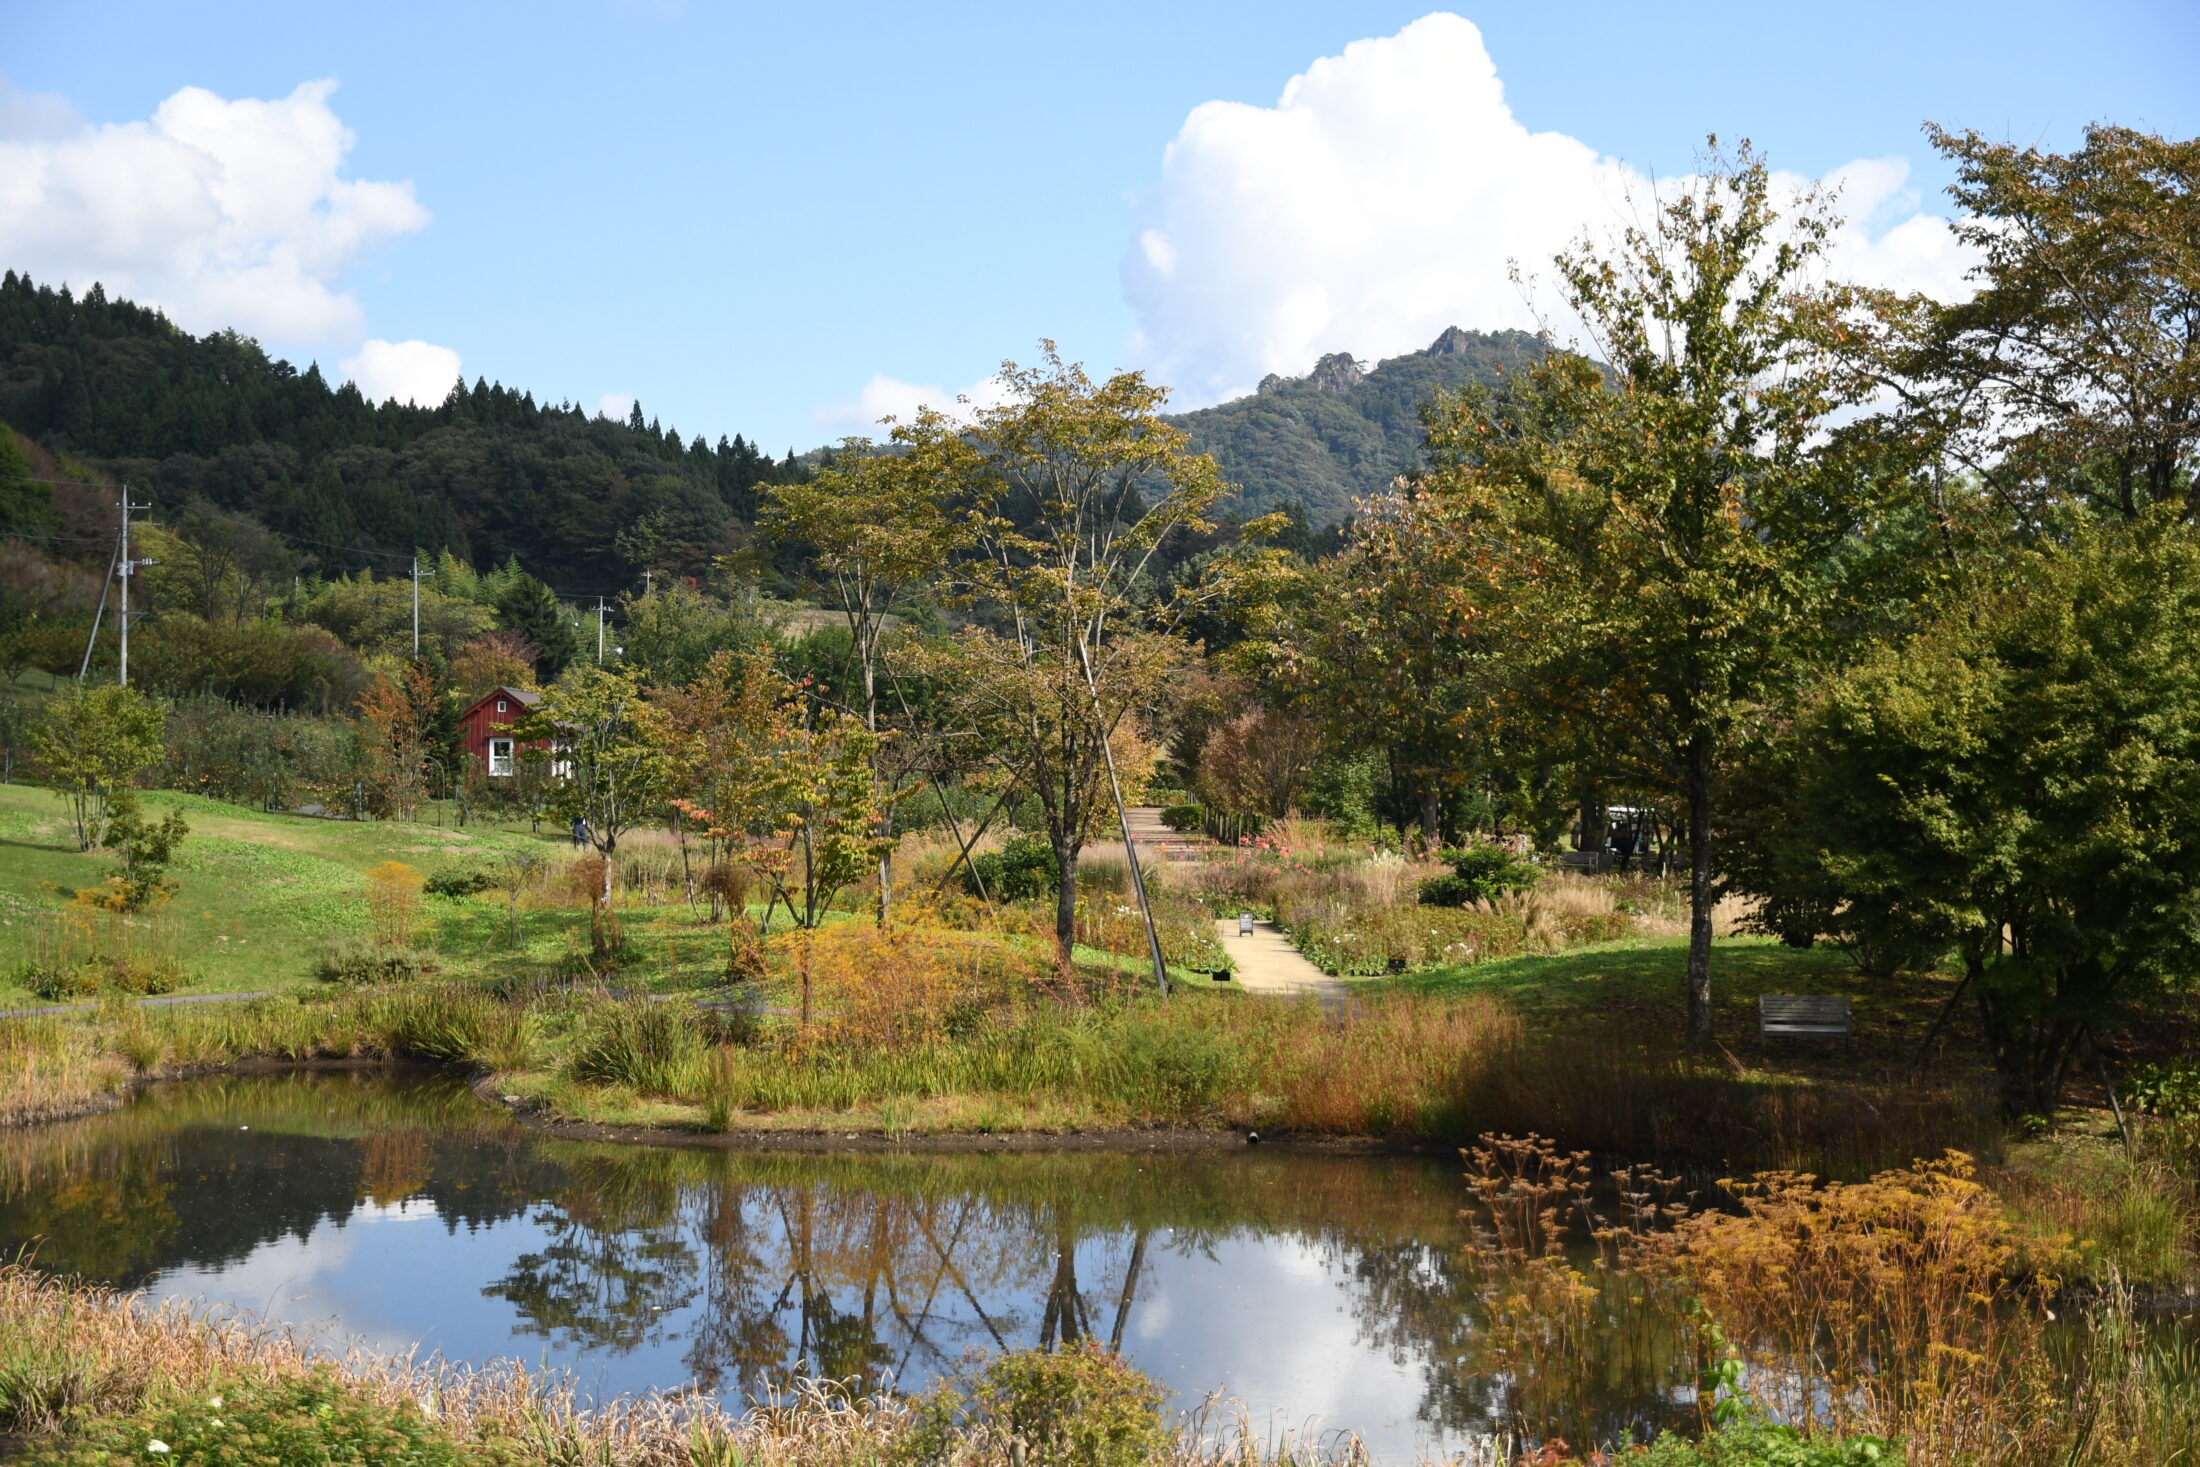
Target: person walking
[580,832]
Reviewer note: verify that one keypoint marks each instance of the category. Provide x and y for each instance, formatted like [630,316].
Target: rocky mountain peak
[1337,372]
[1452,342]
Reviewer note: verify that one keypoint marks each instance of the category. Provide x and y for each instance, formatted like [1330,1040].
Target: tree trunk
[1065,902]
[1432,815]
[1595,819]
[600,929]
[2032,1055]
[1130,1290]
[1700,894]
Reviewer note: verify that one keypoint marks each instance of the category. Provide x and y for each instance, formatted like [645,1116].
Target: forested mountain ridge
[586,502]
[1341,432]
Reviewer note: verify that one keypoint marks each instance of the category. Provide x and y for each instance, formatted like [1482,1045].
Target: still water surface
[1319,1292]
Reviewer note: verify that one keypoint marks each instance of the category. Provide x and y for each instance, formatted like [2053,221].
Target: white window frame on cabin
[561,761]
[500,706]
[502,761]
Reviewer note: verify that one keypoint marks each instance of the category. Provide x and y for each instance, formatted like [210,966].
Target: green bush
[1021,870]
[1082,1407]
[99,977]
[268,1424]
[460,883]
[1478,874]
[1183,818]
[360,963]
[1447,891]
[1754,1443]
[2169,1091]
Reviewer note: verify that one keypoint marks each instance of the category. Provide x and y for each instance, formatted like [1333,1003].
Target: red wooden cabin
[486,730]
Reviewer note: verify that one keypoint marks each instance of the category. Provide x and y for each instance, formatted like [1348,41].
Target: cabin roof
[521,696]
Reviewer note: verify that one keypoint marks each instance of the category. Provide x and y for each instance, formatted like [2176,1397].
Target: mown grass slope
[257,893]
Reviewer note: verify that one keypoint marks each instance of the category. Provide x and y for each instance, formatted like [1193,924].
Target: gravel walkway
[1268,964]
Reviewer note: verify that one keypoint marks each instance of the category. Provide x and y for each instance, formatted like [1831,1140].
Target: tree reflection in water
[748,1270]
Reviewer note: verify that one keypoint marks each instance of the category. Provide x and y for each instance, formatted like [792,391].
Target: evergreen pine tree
[529,607]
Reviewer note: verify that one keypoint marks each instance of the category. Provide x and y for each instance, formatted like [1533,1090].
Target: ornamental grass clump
[654,1049]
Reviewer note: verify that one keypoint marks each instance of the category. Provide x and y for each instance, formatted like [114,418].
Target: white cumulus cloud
[890,397]
[417,372]
[615,405]
[223,213]
[1385,196]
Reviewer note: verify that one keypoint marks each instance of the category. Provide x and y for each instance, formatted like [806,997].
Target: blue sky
[777,219]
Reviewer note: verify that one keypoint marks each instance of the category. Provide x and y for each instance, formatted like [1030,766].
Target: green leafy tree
[147,847]
[376,616]
[92,743]
[220,565]
[786,786]
[2020,785]
[2071,378]
[591,727]
[16,724]
[672,630]
[1066,490]
[880,529]
[1384,643]
[1658,533]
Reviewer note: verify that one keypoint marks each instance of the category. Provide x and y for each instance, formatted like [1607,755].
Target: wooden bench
[1803,1016]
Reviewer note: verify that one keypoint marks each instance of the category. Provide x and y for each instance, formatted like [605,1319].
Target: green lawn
[257,893]
[1636,989]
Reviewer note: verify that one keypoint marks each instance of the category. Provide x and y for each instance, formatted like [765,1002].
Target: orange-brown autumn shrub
[393,903]
[1892,1306]
[904,985]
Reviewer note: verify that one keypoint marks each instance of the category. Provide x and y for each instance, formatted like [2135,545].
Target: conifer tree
[527,606]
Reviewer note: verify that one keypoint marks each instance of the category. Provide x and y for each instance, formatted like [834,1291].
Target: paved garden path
[1268,964]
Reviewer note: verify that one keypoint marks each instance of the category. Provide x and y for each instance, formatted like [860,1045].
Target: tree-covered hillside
[586,502]
[1341,433]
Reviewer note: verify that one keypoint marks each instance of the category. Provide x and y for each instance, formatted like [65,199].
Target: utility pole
[599,631]
[416,605]
[124,566]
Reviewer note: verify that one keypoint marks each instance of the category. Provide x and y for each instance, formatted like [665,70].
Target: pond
[1314,1291]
